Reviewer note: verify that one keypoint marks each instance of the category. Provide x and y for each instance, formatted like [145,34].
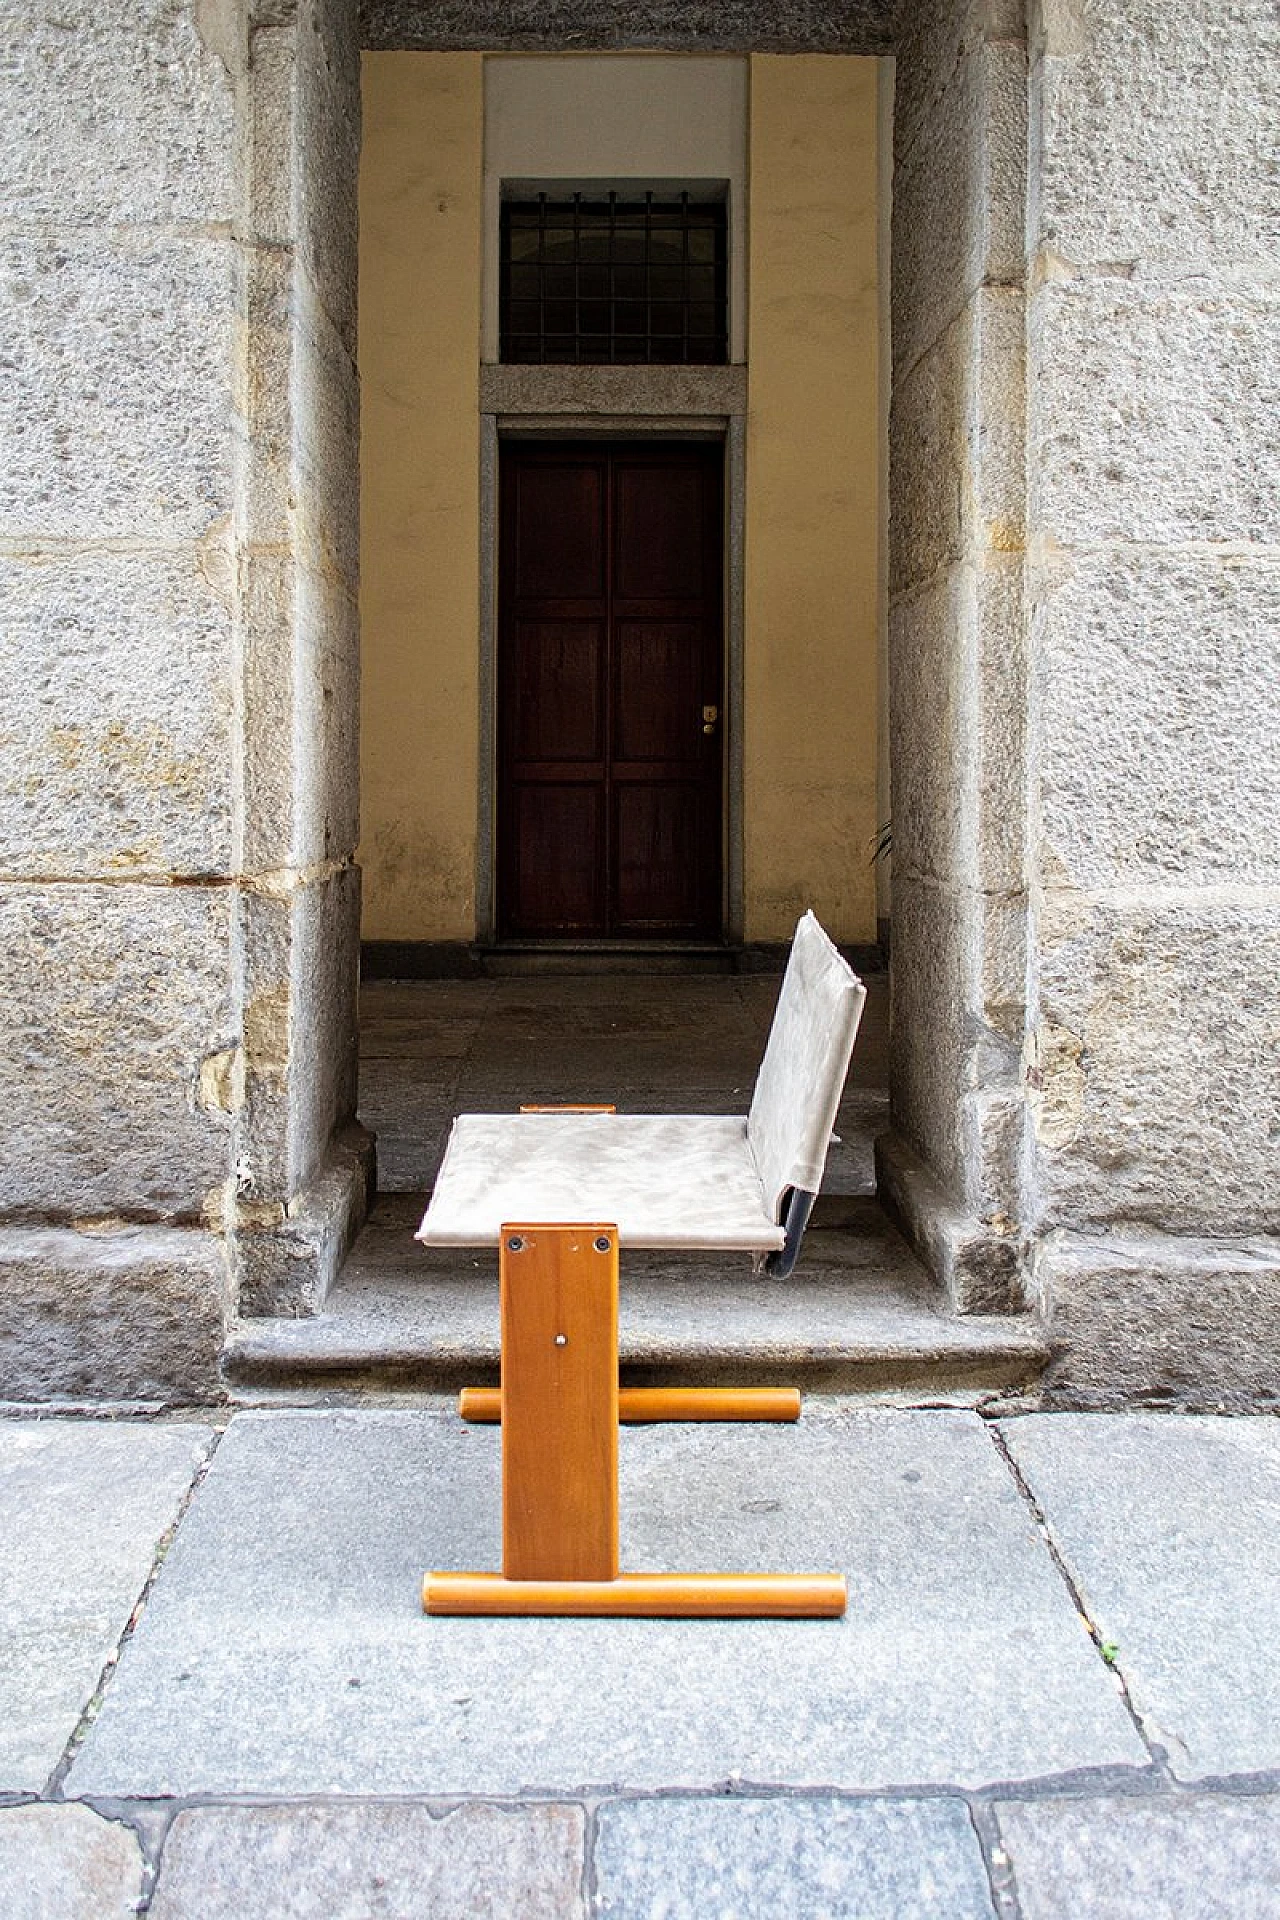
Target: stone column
[954,1166]
[300,1168]
[1154,343]
[176,811]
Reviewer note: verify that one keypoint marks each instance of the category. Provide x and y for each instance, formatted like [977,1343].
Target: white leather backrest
[802,1075]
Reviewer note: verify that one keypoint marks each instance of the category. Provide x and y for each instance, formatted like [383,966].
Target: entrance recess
[610,691]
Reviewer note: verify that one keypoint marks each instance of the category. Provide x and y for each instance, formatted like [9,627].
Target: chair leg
[559,1408]
[639,1406]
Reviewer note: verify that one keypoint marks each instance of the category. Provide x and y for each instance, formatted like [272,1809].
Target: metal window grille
[614,282]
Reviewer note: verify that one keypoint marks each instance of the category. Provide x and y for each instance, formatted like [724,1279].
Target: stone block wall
[1085,722]
[177,787]
[1153,583]
[954,1164]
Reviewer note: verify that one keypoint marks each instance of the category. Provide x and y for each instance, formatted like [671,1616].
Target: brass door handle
[709,717]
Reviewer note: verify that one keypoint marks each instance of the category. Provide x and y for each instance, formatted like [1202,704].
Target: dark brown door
[609,692]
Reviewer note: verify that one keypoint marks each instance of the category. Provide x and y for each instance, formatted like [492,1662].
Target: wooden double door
[610,691]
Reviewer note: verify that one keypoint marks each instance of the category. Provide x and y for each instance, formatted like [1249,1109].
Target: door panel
[558,838]
[610,649]
[558,706]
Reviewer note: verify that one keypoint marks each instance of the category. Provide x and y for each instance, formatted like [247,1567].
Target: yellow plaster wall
[421,181]
[813,457]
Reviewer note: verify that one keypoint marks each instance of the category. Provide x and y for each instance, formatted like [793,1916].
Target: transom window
[601,279]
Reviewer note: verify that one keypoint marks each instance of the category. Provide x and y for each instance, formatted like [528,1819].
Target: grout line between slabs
[1157,1754]
[93,1706]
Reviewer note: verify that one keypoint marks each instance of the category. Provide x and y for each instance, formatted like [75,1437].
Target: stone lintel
[978,1266]
[675,26]
[661,392]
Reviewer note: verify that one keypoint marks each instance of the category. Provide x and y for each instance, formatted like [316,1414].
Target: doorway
[610,691]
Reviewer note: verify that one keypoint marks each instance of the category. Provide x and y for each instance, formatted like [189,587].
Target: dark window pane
[666,244]
[622,281]
[522,244]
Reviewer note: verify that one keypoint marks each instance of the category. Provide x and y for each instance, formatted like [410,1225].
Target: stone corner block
[1156,1320]
[134,1314]
[288,1268]
[979,1267]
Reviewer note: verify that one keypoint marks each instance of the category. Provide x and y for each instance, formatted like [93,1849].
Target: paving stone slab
[352,1862]
[732,1858]
[1193,1857]
[83,1505]
[283,1649]
[65,1861]
[1169,1524]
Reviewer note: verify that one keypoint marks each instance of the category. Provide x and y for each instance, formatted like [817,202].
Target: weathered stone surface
[614,390]
[930,39]
[957,435]
[978,1262]
[324,1050]
[116,411]
[297,1571]
[65,1860]
[327,697]
[139,1313]
[1152,1068]
[83,1505]
[1156,753]
[116,996]
[326,156]
[116,752]
[1151,411]
[879,1859]
[1160,1320]
[958,1015]
[288,1266]
[1206,1855]
[959,197]
[1168,1524]
[327,1862]
[958,722]
[118,111]
[326,428]
[1158,126]
[795,26]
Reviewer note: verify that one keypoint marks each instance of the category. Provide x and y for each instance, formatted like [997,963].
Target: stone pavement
[1056,1692]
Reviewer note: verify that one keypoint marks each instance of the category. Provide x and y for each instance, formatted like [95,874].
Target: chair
[558,1191]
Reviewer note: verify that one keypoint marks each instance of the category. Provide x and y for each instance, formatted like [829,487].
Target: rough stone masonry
[1085,571]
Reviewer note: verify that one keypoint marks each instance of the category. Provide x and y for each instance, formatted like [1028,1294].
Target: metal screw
[562,1339]
[602,1243]
[515,1244]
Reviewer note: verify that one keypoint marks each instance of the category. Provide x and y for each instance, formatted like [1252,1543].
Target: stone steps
[859,1316]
